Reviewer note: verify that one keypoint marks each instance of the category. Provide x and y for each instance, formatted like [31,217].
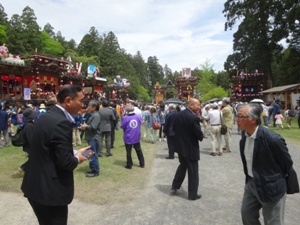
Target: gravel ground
[221,187]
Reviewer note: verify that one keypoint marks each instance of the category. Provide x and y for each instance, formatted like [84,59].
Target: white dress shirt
[249,148]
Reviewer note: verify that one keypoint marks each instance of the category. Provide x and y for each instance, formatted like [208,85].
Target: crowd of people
[53,129]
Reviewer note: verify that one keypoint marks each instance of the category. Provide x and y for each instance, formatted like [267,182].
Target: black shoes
[213,154]
[127,167]
[107,155]
[92,174]
[195,198]
[173,191]
[169,157]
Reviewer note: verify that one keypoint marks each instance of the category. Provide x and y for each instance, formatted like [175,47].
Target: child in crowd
[279,118]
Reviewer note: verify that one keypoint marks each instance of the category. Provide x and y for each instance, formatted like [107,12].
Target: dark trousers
[299,121]
[171,146]
[139,154]
[112,136]
[107,136]
[50,215]
[193,176]
[160,134]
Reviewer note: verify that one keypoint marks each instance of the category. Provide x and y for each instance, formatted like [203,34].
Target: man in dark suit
[266,162]
[188,134]
[107,118]
[169,130]
[48,181]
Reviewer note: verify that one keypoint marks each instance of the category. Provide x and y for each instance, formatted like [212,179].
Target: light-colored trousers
[153,134]
[146,130]
[215,135]
[76,136]
[227,138]
[205,128]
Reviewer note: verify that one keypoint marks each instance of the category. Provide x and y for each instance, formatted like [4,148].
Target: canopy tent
[173,100]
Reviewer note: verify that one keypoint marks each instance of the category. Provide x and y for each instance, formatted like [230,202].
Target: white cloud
[180,33]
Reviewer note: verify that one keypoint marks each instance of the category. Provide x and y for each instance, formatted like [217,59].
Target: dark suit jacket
[188,134]
[271,163]
[169,124]
[107,117]
[49,178]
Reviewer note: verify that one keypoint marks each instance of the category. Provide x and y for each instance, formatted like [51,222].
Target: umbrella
[173,100]
[257,100]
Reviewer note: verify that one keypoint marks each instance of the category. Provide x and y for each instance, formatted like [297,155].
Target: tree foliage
[3,35]
[217,92]
[51,46]
[263,24]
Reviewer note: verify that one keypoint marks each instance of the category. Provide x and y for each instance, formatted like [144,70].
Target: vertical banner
[27,94]
[91,70]
[186,72]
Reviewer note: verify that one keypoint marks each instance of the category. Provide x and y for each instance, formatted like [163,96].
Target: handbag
[155,125]
[292,184]
[223,127]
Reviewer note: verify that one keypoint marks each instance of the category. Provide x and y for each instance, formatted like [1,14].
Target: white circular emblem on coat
[133,123]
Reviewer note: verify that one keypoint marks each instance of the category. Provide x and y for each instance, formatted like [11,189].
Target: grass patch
[291,135]
[115,183]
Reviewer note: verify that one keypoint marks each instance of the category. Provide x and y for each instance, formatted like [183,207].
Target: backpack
[290,113]
[19,138]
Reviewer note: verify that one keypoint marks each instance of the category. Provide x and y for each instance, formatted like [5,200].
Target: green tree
[223,80]
[51,46]
[3,16]
[155,70]
[71,44]
[288,67]
[217,92]
[15,36]
[143,95]
[263,25]
[49,30]
[109,56]
[293,18]
[3,35]
[207,78]
[32,37]
[168,75]
[90,43]
[140,67]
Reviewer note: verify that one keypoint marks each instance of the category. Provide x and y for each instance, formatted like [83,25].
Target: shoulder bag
[292,183]
[223,127]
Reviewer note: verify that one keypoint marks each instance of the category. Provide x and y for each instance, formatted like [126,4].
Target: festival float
[118,91]
[247,86]
[40,76]
[186,84]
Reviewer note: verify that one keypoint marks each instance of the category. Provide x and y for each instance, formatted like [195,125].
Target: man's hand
[81,157]
[83,126]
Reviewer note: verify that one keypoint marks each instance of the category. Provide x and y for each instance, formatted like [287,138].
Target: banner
[91,70]
[186,72]
[27,94]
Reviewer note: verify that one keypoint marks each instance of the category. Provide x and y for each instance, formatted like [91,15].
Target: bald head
[194,104]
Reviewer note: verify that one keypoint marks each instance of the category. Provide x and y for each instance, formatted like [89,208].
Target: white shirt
[249,148]
[204,113]
[214,117]
[137,111]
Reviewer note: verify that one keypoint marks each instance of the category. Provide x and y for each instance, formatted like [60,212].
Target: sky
[180,33]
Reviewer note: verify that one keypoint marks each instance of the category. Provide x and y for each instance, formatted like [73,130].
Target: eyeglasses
[241,117]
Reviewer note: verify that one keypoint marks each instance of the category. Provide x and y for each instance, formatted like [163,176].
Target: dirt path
[221,186]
